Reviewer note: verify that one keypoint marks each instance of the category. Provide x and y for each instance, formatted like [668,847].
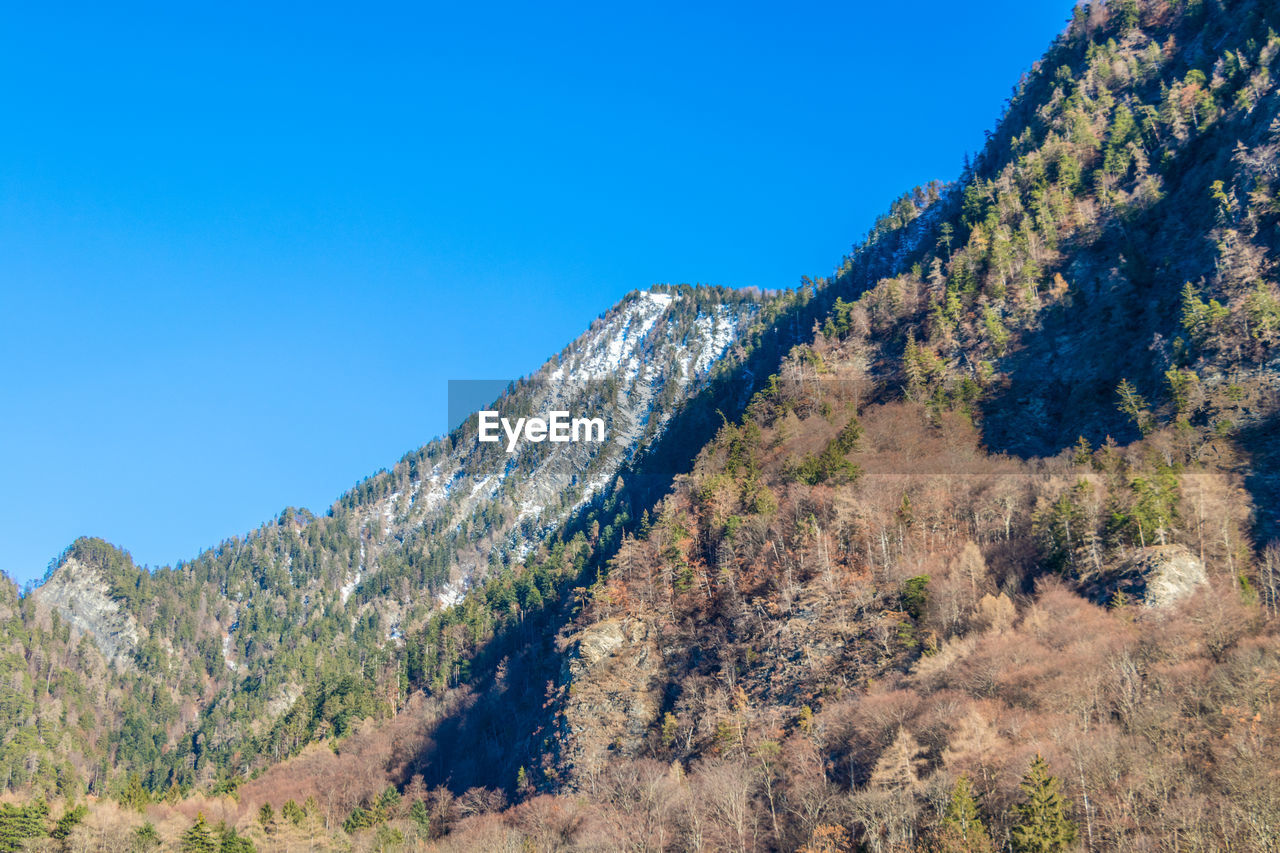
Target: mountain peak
[82,589]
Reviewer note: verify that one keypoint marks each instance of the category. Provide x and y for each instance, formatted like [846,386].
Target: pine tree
[231,841]
[199,838]
[66,824]
[1084,452]
[912,368]
[1126,11]
[145,837]
[1123,131]
[1043,825]
[1133,405]
[18,823]
[419,814]
[962,829]
[1201,319]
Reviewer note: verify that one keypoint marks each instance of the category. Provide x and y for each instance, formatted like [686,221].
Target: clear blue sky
[243,246]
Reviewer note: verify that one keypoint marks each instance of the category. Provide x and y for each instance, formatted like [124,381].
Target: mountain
[970,545]
[293,630]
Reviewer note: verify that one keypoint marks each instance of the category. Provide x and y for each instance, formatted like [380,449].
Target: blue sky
[243,246]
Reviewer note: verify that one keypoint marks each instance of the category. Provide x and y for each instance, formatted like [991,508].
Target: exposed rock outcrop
[1156,576]
[615,692]
[81,596]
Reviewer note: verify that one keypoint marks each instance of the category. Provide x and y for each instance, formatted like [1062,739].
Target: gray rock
[82,597]
[1156,576]
[614,697]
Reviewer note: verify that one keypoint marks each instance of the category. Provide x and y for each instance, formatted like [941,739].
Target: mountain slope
[976,530]
[856,599]
[309,614]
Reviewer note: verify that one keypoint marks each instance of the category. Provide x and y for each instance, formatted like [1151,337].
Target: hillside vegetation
[971,545]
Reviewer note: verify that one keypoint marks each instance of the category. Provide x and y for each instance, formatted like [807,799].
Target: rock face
[81,596]
[1156,576]
[614,693]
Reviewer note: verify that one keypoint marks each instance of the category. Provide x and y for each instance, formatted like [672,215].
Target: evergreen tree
[419,814]
[1084,452]
[233,842]
[1133,405]
[912,368]
[360,818]
[18,823]
[293,812]
[962,829]
[70,819]
[145,837]
[1043,825]
[1123,131]
[1126,11]
[199,838]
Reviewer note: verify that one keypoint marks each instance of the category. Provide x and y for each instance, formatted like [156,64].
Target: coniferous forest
[971,545]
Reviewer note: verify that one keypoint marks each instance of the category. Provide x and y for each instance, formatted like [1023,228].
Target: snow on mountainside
[613,349]
[633,367]
[230,640]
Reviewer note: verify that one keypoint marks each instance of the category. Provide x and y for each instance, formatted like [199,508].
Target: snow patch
[450,596]
[350,587]
[226,649]
[616,349]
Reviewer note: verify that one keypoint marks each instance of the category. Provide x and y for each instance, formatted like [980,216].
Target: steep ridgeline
[467,507]
[306,618]
[992,560]
[858,623]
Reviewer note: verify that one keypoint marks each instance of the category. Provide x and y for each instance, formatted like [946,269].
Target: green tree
[1123,131]
[145,838]
[946,235]
[419,814]
[1155,505]
[912,368]
[670,727]
[962,829]
[1262,307]
[293,812]
[18,823]
[1083,452]
[199,838]
[389,838]
[70,819]
[1201,319]
[360,818]
[135,795]
[1126,12]
[1043,825]
[1133,405]
[915,596]
[1182,387]
[232,842]
[830,466]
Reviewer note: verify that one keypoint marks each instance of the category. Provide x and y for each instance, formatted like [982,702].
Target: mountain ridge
[329,574]
[968,546]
